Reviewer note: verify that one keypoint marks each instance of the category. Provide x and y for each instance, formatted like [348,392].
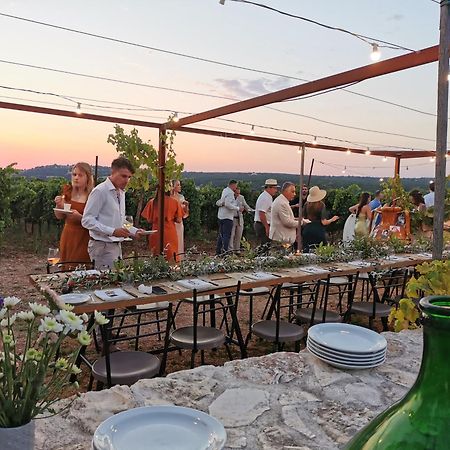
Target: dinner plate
[145,232]
[160,428]
[346,359]
[345,354]
[74,298]
[65,211]
[340,365]
[346,337]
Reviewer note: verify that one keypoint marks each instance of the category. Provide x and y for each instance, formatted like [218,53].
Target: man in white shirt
[262,211]
[283,224]
[227,208]
[238,221]
[104,215]
[429,198]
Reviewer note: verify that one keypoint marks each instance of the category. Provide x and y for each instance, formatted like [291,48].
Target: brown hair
[83,167]
[122,163]
[313,210]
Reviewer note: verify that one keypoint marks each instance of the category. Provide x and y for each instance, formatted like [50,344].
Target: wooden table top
[223,281]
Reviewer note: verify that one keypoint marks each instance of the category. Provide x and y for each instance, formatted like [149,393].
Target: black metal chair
[387,289]
[204,334]
[125,366]
[280,330]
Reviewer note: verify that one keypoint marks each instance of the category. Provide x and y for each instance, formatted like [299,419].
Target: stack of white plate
[347,346]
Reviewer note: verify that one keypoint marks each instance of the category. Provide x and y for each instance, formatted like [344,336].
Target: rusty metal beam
[391,65]
[249,137]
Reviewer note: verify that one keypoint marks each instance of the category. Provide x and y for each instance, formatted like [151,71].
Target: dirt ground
[22,254]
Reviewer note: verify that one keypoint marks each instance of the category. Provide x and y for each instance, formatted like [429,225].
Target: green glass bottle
[421,419]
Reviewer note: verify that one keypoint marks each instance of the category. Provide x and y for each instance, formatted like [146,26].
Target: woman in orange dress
[172,214]
[74,238]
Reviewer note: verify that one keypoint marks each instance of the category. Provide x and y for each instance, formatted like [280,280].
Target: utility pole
[441,131]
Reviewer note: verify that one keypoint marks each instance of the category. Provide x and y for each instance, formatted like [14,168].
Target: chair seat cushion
[289,332]
[303,315]
[255,291]
[336,280]
[207,337]
[366,308]
[127,367]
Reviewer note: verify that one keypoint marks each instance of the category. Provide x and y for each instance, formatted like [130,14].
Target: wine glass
[128,222]
[53,256]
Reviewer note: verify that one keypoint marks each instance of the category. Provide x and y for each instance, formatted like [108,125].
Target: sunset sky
[235,33]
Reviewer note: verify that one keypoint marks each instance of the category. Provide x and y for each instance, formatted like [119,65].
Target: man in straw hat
[263,209]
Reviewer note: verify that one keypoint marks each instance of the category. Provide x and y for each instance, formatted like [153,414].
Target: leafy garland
[156,268]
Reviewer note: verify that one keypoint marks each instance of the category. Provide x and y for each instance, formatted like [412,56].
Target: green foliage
[193,224]
[6,183]
[326,252]
[394,192]
[405,316]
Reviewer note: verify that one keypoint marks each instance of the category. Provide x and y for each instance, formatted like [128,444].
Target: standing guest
[238,221]
[295,203]
[418,200]
[283,224]
[74,241]
[429,198]
[363,215]
[262,211]
[173,214]
[314,232]
[374,205]
[105,213]
[179,226]
[227,208]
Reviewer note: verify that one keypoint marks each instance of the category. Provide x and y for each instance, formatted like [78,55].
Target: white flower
[75,370]
[62,364]
[67,307]
[4,322]
[39,310]
[2,312]
[8,340]
[84,338]
[50,324]
[85,317]
[100,319]
[27,316]
[10,302]
[71,320]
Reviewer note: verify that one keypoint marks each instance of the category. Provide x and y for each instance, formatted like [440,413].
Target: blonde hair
[86,168]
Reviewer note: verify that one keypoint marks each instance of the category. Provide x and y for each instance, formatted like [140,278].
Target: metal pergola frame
[391,65]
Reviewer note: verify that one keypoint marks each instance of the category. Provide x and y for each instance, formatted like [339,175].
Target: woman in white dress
[177,195]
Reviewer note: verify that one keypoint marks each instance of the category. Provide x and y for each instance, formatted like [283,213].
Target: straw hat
[271,182]
[316,194]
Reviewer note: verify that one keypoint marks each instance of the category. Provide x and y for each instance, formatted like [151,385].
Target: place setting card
[115,294]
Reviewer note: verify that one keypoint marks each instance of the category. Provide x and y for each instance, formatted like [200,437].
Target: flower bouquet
[36,362]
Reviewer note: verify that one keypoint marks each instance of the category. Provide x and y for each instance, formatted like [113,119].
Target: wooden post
[441,132]
[310,173]
[300,200]
[96,171]
[161,184]
[397,166]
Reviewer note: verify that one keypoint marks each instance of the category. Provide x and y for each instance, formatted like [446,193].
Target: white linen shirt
[104,212]
[229,205]
[429,199]
[264,204]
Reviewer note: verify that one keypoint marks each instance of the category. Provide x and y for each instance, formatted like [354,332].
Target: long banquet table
[222,281]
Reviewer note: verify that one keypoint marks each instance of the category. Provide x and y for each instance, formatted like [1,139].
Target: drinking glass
[53,256]
[128,222]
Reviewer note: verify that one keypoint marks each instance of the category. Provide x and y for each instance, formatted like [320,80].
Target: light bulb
[299,151]
[375,55]
[349,152]
[381,180]
[175,117]
[314,142]
[344,169]
[367,152]
[432,159]
[384,158]
[78,110]
[252,131]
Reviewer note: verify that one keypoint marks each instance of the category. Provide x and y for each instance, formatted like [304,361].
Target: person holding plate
[70,207]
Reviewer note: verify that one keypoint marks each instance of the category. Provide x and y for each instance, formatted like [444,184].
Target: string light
[252,131]
[432,159]
[344,169]
[384,158]
[78,110]
[349,152]
[314,142]
[376,54]
[299,151]
[381,180]
[175,117]
[367,152]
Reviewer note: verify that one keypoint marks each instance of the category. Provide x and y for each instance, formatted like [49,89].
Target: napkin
[145,289]
[113,295]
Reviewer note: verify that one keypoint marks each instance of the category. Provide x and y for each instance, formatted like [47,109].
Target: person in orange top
[74,238]
[173,213]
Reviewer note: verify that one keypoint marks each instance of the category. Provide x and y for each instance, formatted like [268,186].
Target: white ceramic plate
[345,365]
[346,354]
[346,360]
[347,338]
[145,232]
[65,211]
[160,428]
[75,299]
